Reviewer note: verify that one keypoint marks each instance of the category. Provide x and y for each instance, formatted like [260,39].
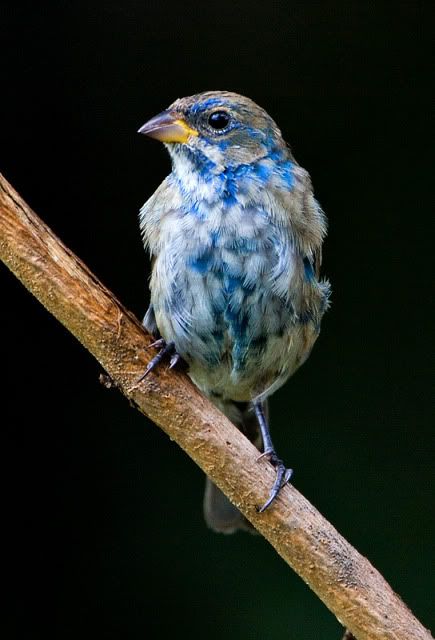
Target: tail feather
[220,515]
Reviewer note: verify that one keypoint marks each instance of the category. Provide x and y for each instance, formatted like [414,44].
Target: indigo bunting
[235,236]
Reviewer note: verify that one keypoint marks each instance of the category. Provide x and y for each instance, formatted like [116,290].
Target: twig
[343,579]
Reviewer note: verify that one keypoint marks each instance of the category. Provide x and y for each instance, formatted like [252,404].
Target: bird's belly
[239,338]
[262,373]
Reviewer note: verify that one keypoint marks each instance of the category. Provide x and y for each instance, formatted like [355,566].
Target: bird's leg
[283,474]
[166,349]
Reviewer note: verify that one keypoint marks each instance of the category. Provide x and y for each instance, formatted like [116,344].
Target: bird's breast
[221,286]
[228,284]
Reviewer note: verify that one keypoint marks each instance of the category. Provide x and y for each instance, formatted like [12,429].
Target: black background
[102,511]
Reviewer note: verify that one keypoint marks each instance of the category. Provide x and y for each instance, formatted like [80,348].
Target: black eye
[219,120]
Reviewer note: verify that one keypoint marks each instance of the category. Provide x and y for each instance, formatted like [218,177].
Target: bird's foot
[166,349]
[283,475]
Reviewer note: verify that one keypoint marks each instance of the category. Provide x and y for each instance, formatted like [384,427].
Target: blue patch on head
[198,107]
[252,132]
[222,143]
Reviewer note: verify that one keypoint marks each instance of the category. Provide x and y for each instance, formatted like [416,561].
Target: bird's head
[216,130]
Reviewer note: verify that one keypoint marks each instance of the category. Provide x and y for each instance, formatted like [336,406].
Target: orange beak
[168,127]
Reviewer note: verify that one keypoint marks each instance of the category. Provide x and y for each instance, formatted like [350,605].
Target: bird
[235,237]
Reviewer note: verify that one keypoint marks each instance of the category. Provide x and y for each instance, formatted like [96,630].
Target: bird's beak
[168,127]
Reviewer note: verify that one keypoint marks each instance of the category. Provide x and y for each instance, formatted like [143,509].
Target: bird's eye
[219,120]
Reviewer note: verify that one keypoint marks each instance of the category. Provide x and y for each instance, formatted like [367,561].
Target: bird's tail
[220,515]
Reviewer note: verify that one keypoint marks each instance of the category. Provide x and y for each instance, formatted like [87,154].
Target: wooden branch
[343,579]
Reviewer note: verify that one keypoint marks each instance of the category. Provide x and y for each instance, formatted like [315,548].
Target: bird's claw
[158,344]
[283,475]
[166,349]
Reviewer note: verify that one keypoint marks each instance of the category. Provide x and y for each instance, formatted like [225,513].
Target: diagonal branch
[343,579]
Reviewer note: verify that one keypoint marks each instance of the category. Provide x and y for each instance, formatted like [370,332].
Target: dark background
[102,511]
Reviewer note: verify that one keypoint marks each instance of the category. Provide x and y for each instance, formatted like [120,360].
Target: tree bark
[343,579]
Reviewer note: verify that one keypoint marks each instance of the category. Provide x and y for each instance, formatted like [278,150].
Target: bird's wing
[304,216]
[307,223]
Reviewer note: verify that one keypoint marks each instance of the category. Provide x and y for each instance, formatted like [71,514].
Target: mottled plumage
[235,234]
